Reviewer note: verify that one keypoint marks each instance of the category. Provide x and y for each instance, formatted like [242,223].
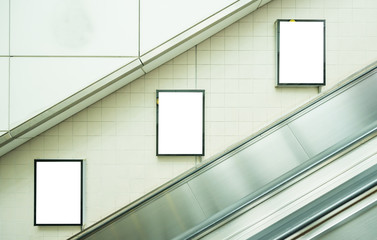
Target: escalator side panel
[173,213]
[247,171]
[362,226]
[342,116]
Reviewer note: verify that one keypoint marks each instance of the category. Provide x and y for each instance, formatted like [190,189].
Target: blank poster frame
[36,161]
[278,57]
[158,133]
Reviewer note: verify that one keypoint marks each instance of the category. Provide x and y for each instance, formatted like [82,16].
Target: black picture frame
[158,93]
[36,161]
[278,49]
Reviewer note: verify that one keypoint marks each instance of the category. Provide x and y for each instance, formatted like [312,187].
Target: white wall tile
[231,71]
[303,4]
[217,70]
[78,28]
[245,43]
[217,43]
[288,3]
[247,57]
[65,128]
[245,29]
[232,30]
[217,57]
[39,83]
[180,71]
[181,59]
[203,57]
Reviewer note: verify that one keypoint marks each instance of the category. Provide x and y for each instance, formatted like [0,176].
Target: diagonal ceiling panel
[163,19]
[4,27]
[74,27]
[4,97]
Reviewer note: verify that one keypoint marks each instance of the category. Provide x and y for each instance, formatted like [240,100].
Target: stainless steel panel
[164,218]
[361,227]
[247,171]
[317,209]
[338,118]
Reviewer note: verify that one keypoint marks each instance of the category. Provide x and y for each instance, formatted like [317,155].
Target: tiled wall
[236,67]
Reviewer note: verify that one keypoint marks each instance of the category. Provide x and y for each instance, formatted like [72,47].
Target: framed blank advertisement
[301,52]
[58,192]
[180,122]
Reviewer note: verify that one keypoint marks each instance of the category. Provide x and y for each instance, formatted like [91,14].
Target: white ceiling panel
[74,27]
[164,19]
[4,27]
[4,96]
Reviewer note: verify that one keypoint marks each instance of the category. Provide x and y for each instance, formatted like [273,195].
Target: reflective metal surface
[315,183]
[217,189]
[338,118]
[247,171]
[360,227]
[308,214]
[164,218]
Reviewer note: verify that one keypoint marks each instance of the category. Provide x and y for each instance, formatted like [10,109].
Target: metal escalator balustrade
[213,191]
[279,184]
[359,222]
[364,182]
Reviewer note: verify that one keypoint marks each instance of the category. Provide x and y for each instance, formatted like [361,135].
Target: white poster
[301,52]
[58,192]
[180,122]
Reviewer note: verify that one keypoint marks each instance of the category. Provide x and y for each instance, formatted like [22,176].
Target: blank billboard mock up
[57,192]
[301,52]
[180,122]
